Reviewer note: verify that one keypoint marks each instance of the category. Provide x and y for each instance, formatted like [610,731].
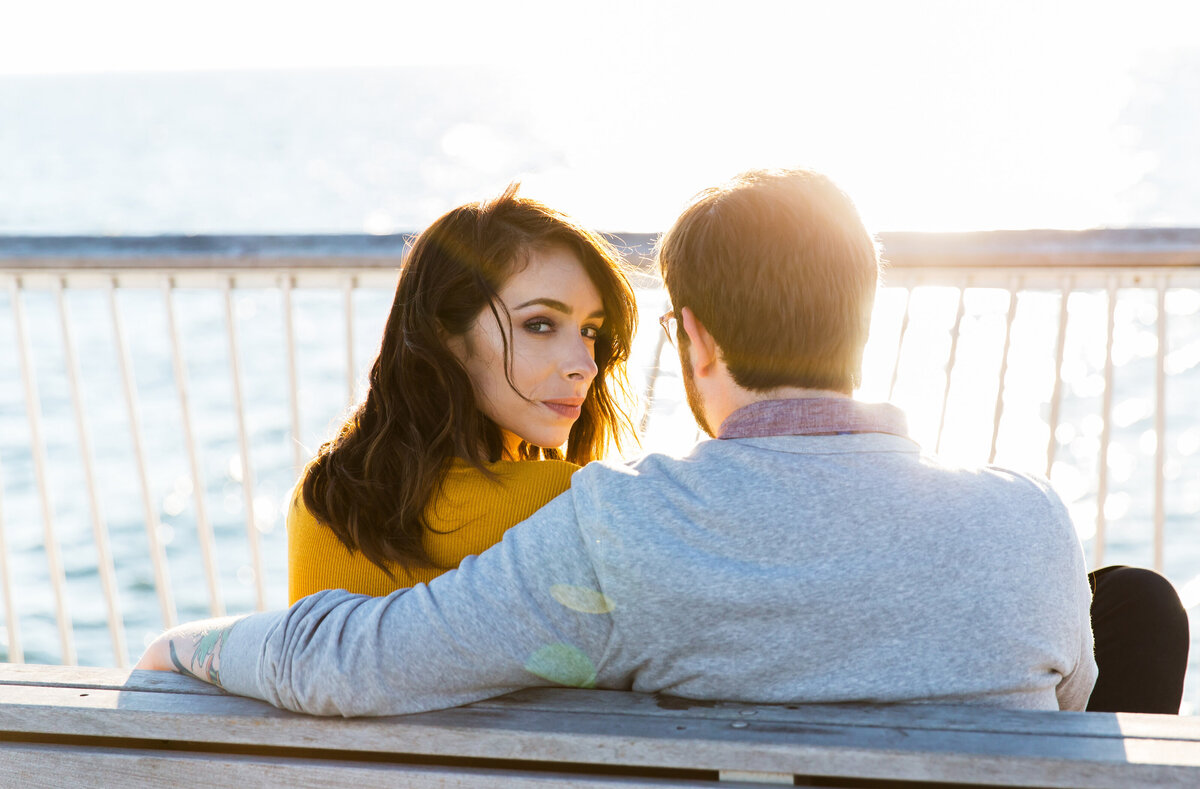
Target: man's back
[830,568]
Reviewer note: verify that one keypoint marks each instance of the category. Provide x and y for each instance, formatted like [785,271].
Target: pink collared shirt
[816,416]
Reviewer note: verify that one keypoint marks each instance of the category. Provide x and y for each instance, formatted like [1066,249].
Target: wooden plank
[913,716]
[682,742]
[910,716]
[35,766]
[917,716]
[101,678]
[729,776]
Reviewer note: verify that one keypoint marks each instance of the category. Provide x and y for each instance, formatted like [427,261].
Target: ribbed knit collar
[817,416]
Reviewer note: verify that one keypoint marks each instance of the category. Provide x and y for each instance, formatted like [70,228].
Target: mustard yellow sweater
[471,515]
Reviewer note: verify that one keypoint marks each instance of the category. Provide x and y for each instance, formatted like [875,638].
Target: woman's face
[556,314]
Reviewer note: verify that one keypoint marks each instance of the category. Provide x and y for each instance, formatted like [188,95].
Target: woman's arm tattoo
[205,660]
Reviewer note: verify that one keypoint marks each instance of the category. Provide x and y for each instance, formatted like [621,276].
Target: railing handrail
[1176,248]
[1166,247]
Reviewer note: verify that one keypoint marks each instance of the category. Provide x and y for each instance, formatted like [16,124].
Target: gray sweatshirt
[772,569]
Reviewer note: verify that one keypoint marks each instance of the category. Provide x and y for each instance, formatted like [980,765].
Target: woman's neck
[511,446]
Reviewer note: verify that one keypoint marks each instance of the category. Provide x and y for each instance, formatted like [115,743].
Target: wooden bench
[63,726]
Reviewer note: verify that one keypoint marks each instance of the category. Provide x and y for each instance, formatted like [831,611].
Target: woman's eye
[591,332]
[539,326]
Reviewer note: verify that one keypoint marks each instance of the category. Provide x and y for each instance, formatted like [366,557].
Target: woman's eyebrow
[557,305]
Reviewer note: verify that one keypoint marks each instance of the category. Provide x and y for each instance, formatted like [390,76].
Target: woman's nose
[580,364]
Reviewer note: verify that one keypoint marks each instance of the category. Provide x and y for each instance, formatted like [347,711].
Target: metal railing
[221,269]
[1114,260]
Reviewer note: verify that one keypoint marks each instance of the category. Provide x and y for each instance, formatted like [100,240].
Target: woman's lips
[570,409]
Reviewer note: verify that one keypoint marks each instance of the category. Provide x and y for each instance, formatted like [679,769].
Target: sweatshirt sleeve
[1072,604]
[1075,688]
[523,613]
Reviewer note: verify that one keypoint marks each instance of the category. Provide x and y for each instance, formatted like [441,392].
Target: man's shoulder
[1035,487]
[1024,479]
[634,471]
[653,469]
[1019,483]
[1005,491]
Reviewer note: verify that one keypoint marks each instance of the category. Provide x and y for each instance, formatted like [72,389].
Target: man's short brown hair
[779,268]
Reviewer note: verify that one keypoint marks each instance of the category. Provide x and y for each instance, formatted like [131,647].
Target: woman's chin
[543,441]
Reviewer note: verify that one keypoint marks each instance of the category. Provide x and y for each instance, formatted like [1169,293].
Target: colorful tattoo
[182,669]
[206,654]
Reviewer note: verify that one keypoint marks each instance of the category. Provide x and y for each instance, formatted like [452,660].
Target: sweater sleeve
[1074,609]
[1075,688]
[521,614]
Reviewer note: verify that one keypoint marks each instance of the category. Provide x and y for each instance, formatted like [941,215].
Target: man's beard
[693,395]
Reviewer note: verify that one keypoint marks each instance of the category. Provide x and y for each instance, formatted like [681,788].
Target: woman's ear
[703,347]
[455,343]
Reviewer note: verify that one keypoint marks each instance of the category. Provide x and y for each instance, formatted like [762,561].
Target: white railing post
[289,338]
[651,382]
[1106,430]
[1013,289]
[900,341]
[239,407]
[104,559]
[1056,396]
[33,410]
[1160,423]
[11,624]
[348,298]
[950,361]
[204,530]
[158,556]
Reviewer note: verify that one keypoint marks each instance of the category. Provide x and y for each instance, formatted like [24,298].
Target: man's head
[779,269]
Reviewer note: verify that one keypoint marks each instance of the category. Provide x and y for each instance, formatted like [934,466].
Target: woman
[507,338]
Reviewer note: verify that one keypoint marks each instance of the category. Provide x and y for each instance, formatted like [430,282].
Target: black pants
[1141,633]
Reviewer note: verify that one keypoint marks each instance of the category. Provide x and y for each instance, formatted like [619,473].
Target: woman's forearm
[192,649]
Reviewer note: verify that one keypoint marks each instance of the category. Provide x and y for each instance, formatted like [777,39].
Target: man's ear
[702,345]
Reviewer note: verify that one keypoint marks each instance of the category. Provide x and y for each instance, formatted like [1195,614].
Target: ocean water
[246,153]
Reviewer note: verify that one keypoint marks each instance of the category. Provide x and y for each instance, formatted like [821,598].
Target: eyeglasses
[670,325]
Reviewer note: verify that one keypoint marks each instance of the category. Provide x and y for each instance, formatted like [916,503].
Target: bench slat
[35,766]
[506,730]
[909,716]
[102,678]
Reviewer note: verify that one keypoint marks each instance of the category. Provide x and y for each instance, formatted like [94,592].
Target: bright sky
[62,36]
[933,115]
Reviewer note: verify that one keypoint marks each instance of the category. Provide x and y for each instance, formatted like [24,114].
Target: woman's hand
[192,649]
[156,657]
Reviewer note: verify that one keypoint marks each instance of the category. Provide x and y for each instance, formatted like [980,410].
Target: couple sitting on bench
[810,552]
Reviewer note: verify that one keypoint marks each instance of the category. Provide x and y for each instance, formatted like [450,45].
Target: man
[811,553]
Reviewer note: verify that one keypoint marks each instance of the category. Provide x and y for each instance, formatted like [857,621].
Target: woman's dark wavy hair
[372,482]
